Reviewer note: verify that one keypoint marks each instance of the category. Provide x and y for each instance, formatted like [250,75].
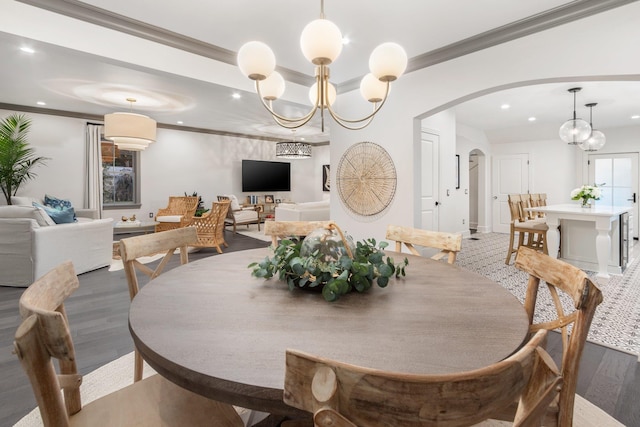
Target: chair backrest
[584,296]
[342,394]
[516,208]
[281,229]
[448,243]
[43,335]
[210,226]
[182,205]
[165,242]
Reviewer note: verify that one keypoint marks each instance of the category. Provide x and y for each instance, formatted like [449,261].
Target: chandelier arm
[376,108]
[290,124]
[305,119]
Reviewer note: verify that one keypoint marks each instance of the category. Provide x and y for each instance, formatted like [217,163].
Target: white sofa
[30,246]
[307,211]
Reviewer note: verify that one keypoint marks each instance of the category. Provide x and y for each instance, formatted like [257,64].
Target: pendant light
[597,139]
[130,131]
[574,130]
[293,149]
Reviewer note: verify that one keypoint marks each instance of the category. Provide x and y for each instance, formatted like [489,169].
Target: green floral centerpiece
[586,193]
[328,261]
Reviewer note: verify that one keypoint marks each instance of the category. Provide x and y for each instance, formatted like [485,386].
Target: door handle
[633,198]
[437,203]
[495,197]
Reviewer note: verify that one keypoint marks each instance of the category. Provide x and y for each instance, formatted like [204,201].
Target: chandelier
[321,44]
[574,130]
[129,131]
[293,149]
[597,139]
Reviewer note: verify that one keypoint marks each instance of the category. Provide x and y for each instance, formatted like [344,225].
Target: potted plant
[200,209]
[330,262]
[17,159]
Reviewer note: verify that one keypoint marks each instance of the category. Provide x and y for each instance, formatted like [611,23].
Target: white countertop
[575,208]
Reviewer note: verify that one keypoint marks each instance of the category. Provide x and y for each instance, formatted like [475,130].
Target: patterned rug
[617,319]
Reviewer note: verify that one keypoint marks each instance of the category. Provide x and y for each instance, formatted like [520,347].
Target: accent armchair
[238,215]
[177,214]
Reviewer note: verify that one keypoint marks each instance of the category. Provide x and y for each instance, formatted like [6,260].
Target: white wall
[176,163]
[546,56]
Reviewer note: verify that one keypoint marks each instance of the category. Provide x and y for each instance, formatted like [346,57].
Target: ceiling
[70,79]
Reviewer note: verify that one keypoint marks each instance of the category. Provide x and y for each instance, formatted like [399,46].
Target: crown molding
[104,18]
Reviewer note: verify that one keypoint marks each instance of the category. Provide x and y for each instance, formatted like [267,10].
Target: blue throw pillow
[59,216]
[59,204]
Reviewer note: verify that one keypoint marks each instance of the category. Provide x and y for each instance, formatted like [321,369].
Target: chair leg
[510,249]
[137,367]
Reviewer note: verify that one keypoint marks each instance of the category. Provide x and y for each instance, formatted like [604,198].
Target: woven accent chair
[339,394]
[532,233]
[561,277]
[237,215]
[210,226]
[281,229]
[166,242]
[44,335]
[177,214]
[448,243]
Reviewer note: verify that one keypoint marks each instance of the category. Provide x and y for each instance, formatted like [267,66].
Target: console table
[578,236]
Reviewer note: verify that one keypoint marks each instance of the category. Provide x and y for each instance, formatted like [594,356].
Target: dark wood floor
[98,314]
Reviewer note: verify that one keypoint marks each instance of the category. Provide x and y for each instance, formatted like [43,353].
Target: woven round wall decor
[366,178]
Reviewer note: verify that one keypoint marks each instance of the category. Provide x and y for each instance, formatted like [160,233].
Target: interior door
[510,175]
[617,174]
[429,181]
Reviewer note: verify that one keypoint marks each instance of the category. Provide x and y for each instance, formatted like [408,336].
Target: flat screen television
[261,175]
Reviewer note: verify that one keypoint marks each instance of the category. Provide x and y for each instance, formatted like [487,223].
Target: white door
[617,174]
[510,175]
[429,181]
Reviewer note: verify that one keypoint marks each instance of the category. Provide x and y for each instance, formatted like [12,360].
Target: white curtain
[93,169]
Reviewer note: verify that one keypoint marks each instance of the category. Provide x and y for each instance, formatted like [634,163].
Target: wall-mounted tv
[260,175]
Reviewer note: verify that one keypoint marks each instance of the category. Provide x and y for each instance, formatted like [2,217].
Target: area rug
[617,320]
[252,231]
[111,377]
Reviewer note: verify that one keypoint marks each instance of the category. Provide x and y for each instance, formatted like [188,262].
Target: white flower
[586,192]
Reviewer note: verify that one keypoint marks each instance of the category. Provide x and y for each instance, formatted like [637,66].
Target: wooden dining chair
[448,243]
[210,227]
[339,394]
[282,229]
[44,335]
[165,242]
[531,233]
[561,278]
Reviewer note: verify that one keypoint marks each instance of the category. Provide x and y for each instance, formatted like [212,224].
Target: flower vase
[585,203]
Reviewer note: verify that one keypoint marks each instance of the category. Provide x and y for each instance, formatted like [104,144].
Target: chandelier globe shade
[574,130]
[134,131]
[256,60]
[321,43]
[597,139]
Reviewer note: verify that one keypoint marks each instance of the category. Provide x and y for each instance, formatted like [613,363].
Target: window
[120,177]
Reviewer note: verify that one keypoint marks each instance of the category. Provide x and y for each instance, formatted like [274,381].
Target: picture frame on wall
[268,199]
[326,178]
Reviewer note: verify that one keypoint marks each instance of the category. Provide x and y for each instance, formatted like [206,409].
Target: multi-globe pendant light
[597,139]
[574,130]
[321,43]
[129,131]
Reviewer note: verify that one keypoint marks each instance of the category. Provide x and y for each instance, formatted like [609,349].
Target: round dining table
[211,327]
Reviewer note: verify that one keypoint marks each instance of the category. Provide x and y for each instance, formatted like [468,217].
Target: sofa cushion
[245,215]
[59,216]
[24,201]
[40,216]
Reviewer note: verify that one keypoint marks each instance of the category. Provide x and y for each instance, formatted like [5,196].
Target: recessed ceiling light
[27,49]
[505,106]
[532,119]
[41,103]
[346,40]
[236,95]
[635,116]
[180,122]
